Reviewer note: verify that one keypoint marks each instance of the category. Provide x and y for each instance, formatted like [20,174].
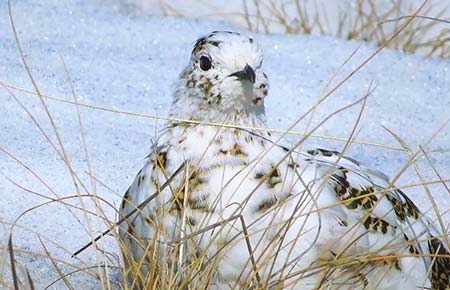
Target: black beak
[246,74]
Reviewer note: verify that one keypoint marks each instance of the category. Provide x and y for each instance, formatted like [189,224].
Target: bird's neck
[193,107]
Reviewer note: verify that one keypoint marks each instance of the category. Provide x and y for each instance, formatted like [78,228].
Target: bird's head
[224,76]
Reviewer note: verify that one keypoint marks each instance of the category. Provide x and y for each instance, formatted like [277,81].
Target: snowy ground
[129,64]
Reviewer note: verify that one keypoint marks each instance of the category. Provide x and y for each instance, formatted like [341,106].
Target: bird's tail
[440,264]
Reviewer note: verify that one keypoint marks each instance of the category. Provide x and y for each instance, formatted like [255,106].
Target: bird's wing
[384,210]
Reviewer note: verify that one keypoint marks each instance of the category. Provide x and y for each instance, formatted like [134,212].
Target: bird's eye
[205,63]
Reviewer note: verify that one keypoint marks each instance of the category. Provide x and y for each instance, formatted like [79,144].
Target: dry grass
[192,270]
[367,20]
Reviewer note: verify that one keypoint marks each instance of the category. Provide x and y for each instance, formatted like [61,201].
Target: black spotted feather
[383,208]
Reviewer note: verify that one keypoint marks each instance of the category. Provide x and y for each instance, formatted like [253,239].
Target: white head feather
[223,81]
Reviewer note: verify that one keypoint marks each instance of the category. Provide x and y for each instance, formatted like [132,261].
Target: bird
[222,204]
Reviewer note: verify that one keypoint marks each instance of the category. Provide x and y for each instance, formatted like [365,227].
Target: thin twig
[412,16]
[12,262]
[190,121]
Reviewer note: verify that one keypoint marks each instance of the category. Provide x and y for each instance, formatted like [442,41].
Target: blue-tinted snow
[130,63]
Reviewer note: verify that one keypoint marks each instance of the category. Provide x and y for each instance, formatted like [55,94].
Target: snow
[129,63]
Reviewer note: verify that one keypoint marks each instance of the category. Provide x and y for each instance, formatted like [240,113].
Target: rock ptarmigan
[241,212]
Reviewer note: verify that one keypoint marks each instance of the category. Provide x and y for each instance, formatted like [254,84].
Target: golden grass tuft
[367,20]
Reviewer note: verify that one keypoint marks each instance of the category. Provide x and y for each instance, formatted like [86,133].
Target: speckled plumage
[246,212]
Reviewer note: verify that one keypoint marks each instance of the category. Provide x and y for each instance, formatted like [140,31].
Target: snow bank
[130,63]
